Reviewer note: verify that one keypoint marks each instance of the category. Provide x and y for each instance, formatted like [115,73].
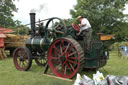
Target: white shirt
[85,22]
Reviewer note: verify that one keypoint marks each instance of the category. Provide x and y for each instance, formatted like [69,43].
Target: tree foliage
[105,16]
[6,9]
[68,22]
[20,29]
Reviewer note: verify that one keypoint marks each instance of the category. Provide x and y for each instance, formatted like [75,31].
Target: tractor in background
[56,45]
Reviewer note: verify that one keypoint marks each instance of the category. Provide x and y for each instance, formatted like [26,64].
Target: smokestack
[32,21]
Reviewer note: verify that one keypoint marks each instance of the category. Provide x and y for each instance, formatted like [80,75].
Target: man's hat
[79,17]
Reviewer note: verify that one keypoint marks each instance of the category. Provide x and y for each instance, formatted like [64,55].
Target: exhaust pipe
[32,21]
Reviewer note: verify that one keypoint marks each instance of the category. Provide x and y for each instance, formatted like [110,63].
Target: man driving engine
[86,31]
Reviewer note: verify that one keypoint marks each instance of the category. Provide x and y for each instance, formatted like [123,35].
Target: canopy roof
[5,30]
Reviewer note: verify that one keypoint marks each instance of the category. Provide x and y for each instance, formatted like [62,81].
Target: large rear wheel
[65,57]
[22,58]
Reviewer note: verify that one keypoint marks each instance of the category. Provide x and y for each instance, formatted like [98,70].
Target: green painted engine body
[97,56]
[37,44]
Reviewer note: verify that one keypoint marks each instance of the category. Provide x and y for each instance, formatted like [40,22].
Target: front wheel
[22,58]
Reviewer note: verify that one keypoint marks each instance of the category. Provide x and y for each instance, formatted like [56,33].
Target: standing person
[86,30]
[126,50]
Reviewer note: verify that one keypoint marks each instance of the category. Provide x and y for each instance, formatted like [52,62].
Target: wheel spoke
[19,62]
[40,60]
[55,63]
[64,65]
[58,67]
[65,70]
[70,61]
[26,61]
[70,49]
[54,57]
[69,68]
[67,48]
[72,53]
[62,42]
[57,54]
[61,69]
[57,49]
[73,58]
[23,63]
[22,66]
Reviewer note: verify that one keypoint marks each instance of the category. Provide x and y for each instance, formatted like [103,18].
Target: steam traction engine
[59,46]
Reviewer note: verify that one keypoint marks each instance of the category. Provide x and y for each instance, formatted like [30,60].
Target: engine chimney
[32,21]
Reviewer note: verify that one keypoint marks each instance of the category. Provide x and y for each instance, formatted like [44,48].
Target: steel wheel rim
[21,59]
[65,63]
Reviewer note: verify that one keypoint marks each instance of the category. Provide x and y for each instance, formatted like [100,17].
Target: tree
[104,15]
[121,32]
[20,29]
[68,22]
[6,9]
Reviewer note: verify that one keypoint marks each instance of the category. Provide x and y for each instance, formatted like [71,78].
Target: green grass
[116,65]
[10,76]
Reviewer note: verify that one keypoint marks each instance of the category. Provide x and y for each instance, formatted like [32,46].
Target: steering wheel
[76,27]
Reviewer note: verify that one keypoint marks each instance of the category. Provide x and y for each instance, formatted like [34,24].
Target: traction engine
[56,45]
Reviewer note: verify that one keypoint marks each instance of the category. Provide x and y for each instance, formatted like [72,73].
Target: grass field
[10,76]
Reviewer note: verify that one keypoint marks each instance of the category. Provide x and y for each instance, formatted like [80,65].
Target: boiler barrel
[37,44]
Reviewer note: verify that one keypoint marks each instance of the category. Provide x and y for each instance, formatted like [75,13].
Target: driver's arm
[83,23]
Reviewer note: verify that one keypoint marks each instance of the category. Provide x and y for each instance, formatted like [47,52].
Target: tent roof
[4,30]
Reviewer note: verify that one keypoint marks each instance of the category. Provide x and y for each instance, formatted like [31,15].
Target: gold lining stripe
[32,43]
[41,43]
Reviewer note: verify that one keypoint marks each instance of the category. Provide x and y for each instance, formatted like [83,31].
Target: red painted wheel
[65,57]
[76,27]
[22,58]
